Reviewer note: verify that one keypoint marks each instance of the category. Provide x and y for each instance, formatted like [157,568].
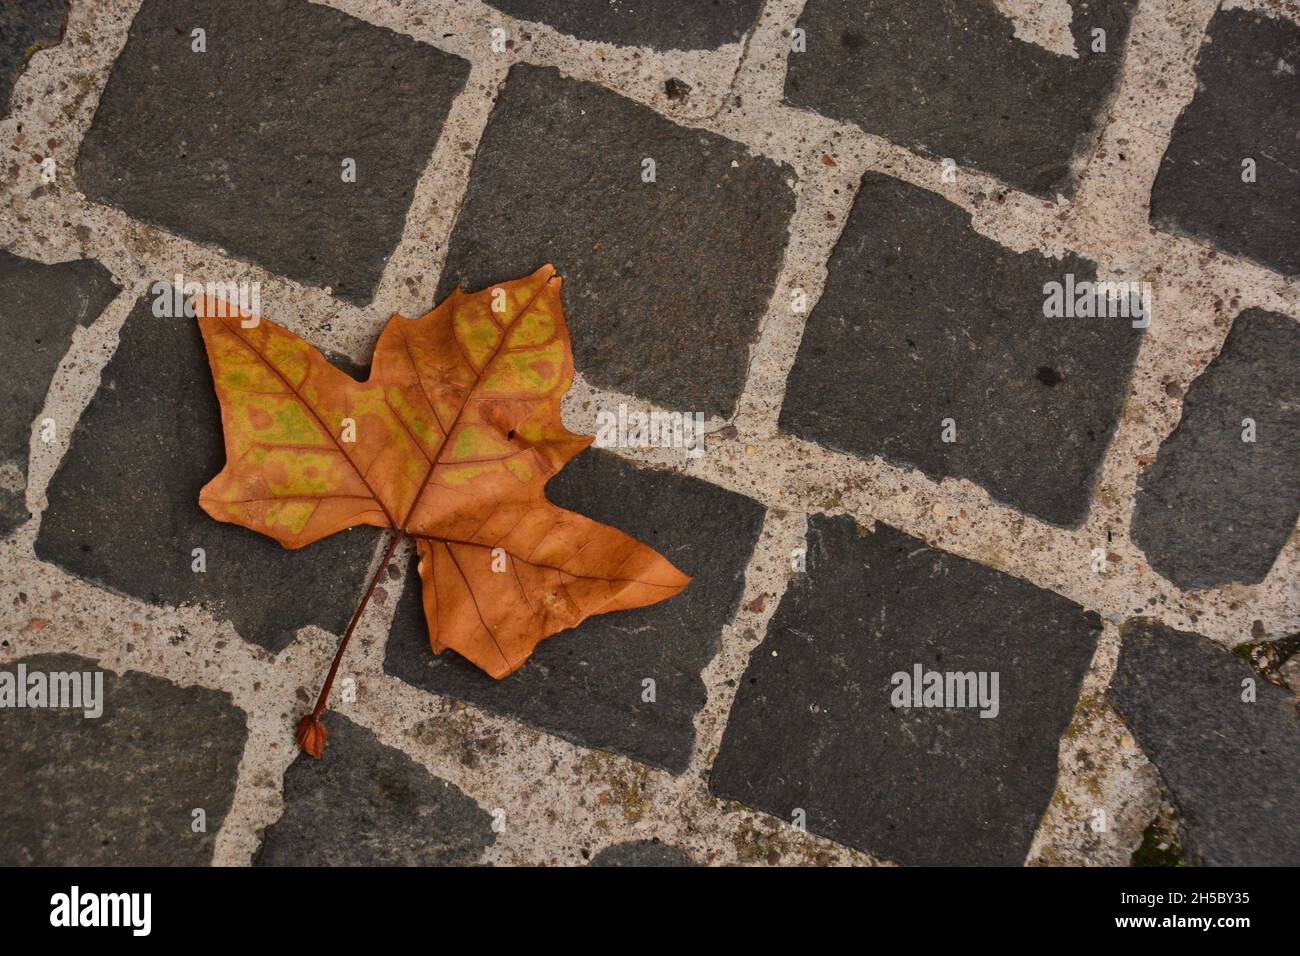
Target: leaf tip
[549,275]
[311,735]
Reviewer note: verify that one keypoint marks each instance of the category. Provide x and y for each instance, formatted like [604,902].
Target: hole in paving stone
[1049,376]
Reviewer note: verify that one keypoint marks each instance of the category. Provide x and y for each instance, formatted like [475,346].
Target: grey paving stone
[923,319]
[813,726]
[365,804]
[1214,508]
[641,853]
[950,79]
[585,685]
[665,282]
[26,27]
[243,145]
[40,305]
[124,507]
[663,24]
[1247,105]
[1232,767]
[119,789]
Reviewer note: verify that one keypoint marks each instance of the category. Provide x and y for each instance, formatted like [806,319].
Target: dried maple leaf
[450,443]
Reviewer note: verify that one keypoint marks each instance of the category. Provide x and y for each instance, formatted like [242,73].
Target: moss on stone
[1159,848]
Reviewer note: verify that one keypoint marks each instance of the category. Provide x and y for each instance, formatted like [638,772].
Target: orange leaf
[450,442]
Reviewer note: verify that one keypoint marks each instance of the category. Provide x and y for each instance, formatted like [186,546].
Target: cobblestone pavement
[839,255]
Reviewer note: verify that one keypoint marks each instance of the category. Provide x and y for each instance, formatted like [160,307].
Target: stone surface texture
[666,281]
[41,306]
[645,853]
[1246,111]
[148,782]
[675,24]
[1230,757]
[816,729]
[824,227]
[24,28]
[954,80]
[1223,495]
[243,145]
[371,805]
[926,325]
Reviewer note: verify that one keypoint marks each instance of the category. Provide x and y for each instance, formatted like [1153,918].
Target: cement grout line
[784,473]
[410,278]
[74,383]
[465,28]
[1100,767]
[259,786]
[766,579]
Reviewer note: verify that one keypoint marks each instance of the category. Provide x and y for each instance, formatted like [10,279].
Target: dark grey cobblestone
[813,726]
[663,24]
[119,789]
[243,145]
[26,26]
[1231,766]
[951,80]
[665,282]
[1214,508]
[1247,105]
[586,684]
[124,505]
[40,305]
[641,853]
[371,805]
[923,319]
[668,282]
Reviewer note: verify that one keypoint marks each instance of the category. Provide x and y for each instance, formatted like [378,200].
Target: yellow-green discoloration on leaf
[475,441]
[533,372]
[290,473]
[535,328]
[479,335]
[290,515]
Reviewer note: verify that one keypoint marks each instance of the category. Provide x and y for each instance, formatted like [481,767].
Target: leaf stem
[311,732]
[322,701]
